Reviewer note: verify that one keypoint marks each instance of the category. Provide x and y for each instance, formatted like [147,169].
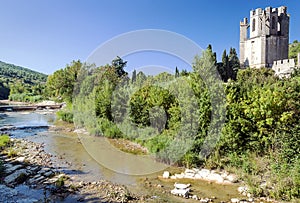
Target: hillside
[18,78]
[294,49]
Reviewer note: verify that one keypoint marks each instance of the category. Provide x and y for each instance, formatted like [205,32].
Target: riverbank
[27,165]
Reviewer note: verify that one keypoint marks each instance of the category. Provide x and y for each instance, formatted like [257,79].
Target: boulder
[232,178]
[180,192]
[215,178]
[198,176]
[166,174]
[20,159]
[204,173]
[181,186]
[14,168]
[235,200]
[16,177]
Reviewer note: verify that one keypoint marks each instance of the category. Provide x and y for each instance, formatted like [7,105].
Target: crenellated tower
[265,38]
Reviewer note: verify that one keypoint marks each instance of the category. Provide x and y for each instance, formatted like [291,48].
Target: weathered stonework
[283,68]
[268,39]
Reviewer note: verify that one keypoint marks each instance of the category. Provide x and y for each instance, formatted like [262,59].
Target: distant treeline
[21,84]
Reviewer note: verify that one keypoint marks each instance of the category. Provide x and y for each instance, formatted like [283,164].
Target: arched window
[273,22]
[253,25]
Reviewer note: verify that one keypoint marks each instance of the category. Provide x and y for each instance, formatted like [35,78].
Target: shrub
[65,116]
[4,140]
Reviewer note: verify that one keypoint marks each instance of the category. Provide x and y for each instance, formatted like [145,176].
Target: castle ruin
[265,39]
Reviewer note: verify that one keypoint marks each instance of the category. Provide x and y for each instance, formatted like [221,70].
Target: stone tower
[265,38]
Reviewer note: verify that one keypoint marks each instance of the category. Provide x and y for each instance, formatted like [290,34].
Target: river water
[88,158]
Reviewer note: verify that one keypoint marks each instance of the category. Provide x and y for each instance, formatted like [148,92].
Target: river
[90,158]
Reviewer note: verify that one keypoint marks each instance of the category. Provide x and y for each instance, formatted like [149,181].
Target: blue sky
[45,35]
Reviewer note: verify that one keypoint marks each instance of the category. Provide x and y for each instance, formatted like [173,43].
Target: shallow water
[89,158]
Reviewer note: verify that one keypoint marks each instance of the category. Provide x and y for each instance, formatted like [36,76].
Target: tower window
[253,25]
[273,22]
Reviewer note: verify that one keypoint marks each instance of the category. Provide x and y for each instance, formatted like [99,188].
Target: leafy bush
[65,116]
[4,140]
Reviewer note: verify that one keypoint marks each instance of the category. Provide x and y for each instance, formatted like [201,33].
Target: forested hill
[25,75]
[19,79]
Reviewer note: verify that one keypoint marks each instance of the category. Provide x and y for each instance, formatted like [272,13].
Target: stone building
[284,68]
[265,38]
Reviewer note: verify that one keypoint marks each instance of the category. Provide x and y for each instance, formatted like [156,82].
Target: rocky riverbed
[27,167]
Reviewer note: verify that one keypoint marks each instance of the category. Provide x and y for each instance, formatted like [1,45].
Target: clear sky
[45,35]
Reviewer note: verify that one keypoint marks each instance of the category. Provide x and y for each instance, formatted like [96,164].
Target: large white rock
[180,192]
[166,174]
[215,178]
[181,186]
[20,159]
[198,176]
[232,178]
[235,200]
[204,173]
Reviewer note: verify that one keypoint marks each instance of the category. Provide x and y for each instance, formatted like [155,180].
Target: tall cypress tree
[176,72]
[234,63]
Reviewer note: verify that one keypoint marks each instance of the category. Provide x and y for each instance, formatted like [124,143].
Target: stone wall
[283,68]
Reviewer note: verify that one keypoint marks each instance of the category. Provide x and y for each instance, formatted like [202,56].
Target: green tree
[119,66]
[176,72]
[61,83]
[133,79]
[234,64]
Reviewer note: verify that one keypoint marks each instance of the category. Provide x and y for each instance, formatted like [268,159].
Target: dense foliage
[20,84]
[294,49]
[181,115]
[60,84]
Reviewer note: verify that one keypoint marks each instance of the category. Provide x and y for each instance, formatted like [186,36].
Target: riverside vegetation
[260,140]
